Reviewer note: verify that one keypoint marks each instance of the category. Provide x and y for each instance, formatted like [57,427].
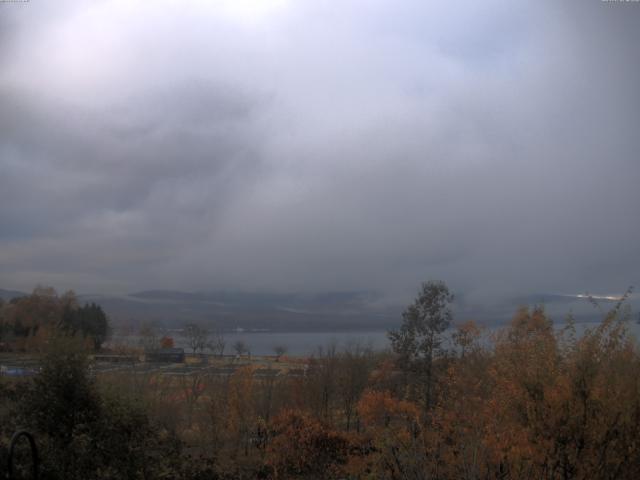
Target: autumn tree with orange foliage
[301,447]
[539,406]
[392,443]
[241,408]
[29,323]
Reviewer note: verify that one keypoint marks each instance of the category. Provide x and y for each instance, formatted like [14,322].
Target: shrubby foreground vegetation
[534,402]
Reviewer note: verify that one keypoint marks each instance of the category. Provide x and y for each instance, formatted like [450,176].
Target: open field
[13,364]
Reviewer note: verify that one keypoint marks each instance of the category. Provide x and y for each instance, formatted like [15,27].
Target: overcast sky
[309,145]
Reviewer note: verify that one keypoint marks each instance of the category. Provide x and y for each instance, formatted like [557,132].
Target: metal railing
[11,470]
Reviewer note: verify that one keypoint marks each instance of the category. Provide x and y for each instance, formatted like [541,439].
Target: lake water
[307,343]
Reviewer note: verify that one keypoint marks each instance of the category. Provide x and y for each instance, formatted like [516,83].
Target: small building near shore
[112,358]
[165,355]
[14,371]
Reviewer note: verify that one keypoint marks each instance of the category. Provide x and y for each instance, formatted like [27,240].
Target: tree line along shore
[536,402]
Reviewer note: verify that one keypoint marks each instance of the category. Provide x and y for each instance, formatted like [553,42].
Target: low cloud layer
[320,146]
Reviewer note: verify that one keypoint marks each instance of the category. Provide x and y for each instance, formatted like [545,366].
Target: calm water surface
[308,343]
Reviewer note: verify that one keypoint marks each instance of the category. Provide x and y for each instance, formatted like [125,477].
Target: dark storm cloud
[311,146]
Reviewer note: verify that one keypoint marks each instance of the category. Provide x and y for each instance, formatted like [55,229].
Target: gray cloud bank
[305,146]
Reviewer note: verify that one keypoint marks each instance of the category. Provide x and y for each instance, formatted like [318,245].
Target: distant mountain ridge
[230,310]
[319,301]
[321,311]
[547,298]
[9,294]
